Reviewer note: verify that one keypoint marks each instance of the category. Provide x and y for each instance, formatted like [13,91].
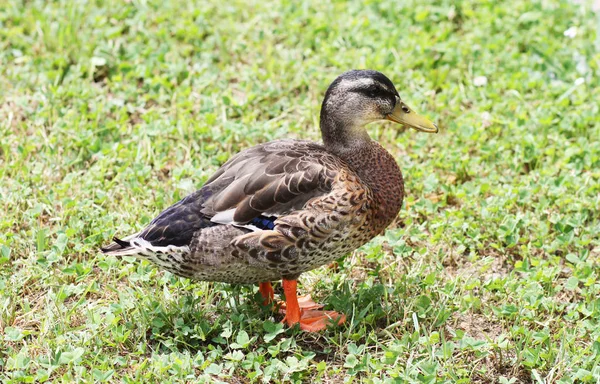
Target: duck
[285,207]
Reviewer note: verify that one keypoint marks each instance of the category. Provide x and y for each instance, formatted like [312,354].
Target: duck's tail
[122,248]
[136,246]
[171,232]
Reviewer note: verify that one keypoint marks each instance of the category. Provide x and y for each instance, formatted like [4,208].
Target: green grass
[112,111]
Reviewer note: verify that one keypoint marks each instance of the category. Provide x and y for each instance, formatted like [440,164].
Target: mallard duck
[285,207]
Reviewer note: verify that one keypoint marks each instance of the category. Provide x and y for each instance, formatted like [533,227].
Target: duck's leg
[266,290]
[310,320]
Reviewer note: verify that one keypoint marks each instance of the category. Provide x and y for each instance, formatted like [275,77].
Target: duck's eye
[405,109]
[372,93]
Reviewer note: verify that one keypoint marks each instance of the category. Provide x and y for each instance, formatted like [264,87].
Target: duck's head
[359,97]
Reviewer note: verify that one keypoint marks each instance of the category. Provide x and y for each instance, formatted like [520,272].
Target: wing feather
[275,178]
[231,196]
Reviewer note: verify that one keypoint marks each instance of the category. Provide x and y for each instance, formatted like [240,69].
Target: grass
[111,111]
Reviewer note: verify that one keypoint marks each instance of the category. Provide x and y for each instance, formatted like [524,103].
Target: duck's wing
[269,180]
[308,199]
[252,190]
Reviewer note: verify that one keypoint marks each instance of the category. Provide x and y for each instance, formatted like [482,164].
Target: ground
[112,111]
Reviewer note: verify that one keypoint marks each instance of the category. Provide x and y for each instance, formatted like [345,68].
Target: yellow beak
[402,114]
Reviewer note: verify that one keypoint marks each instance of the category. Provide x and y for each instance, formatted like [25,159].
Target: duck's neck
[374,165]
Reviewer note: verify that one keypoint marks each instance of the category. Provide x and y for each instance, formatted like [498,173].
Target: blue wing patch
[263,222]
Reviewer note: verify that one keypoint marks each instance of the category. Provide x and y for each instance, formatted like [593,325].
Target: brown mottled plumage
[285,207]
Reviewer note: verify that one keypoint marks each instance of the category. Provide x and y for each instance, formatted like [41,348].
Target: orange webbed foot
[305,311]
[315,321]
[304,302]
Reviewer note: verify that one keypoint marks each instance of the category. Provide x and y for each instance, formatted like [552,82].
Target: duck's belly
[237,273]
[242,272]
[235,270]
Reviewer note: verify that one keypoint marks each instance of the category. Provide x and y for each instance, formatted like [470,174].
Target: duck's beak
[404,115]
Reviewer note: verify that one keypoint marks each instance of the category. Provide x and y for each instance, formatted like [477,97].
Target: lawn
[110,111]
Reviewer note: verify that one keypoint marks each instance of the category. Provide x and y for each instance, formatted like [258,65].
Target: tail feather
[122,243]
[171,232]
[137,246]
[121,248]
